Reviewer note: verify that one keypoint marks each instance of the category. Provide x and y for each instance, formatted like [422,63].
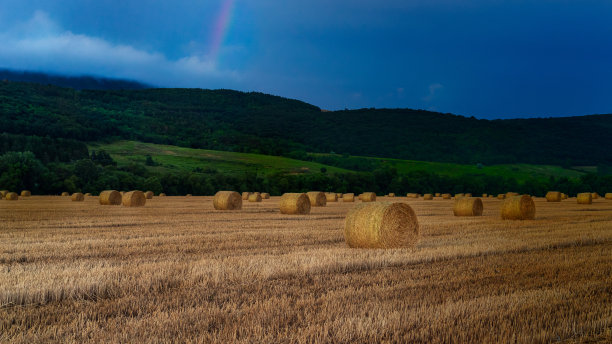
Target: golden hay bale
[427,197]
[563,196]
[78,197]
[438,194]
[331,197]
[368,197]
[518,208]
[468,206]
[110,197]
[391,194]
[245,195]
[459,195]
[484,195]
[265,195]
[317,198]
[162,195]
[26,193]
[446,196]
[149,194]
[553,196]
[595,195]
[501,196]
[359,196]
[87,194]
[467,195]
[65,193]
[412,195]
[255,197]
[381,225]
[295,204]
[188,195]
[585,198]
[3,193]
[122,193]
[11,196]
[511,194]
[608,196]
[339,195]
[348,197]
[134,199]
[227,200]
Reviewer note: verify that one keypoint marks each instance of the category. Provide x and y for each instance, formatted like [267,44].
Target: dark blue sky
[487,58]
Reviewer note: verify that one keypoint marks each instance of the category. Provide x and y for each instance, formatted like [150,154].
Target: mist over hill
[76,82]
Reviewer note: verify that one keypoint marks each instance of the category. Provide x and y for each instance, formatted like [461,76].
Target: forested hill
[76,82]
[255,122]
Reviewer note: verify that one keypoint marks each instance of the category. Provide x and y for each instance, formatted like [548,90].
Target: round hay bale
[26,193]
[468,206]
[368,197]
[459,195]
[255,197]
[188,195]
[339,195]
[381,225]
[563,196]
[3,193]
[585,198]
[11,196]
[265,195]
[501,196]
[412,195]
[162,195]
[437,194]
[317,198]
[518,208]
[348,197]
[511,194]
[467,195]
[110,197]
[88,194]
[446,196]
[391,194]
[594,195]
[427,197]
[149,194]
[608,196]
[360,196]
[134,199]
[331,197]
[553,196]
[245,196]
[78,197]
[227,200]
[65,194]
[295,204]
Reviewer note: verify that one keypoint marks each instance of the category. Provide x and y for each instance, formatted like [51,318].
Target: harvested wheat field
[177,270]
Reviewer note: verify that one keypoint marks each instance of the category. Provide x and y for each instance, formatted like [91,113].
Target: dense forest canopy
[260,123]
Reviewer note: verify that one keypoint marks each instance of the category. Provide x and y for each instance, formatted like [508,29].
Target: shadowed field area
[177,270]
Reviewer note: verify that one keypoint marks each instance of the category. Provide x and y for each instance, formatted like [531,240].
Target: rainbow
[221,26]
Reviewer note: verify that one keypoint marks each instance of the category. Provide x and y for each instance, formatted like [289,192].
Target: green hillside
[173,158]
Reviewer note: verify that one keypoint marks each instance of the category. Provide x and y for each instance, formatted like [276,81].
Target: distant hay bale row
[584,198]
[317,198]
[553,196]
[331,197]
[78,197]
[11,196]
[501,196]
[412,195]
[26,193]
[149,194]
[245,196]
[3,193]
[368,197]
[348,197]
[608,196]
[110,197]
[427,197]
[447,196]
[438,194]
[468,206]
[459,195]
[65,194]
[391,194]
[162,195]
[227,200]
[295,204]
[381,225]
[265,195]
[134,199]
[594,195]
[518,208]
